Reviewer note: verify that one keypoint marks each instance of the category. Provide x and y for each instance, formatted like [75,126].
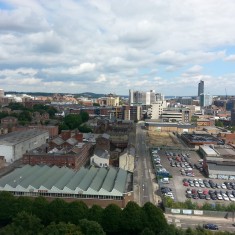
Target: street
[143,174]
[185,221]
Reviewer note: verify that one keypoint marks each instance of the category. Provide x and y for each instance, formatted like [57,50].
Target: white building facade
[15,144]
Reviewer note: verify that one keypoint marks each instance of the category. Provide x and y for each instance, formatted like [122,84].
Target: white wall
[99,161]
[7,152]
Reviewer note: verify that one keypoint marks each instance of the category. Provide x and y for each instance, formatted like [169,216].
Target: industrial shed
[15,144]
[92,185]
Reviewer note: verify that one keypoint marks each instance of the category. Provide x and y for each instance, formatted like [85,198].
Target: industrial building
[15,144]
[218,161]
[195,140]
[92,185]
[169,127]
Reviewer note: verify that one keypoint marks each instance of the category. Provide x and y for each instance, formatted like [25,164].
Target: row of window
[66,195]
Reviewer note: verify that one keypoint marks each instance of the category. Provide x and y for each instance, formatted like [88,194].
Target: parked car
[211,226]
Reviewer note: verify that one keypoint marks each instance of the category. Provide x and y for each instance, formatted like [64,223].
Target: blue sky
[106,46]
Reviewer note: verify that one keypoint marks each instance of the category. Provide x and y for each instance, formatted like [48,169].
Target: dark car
[210,226]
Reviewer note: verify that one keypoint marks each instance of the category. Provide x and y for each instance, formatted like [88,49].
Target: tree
[23,223]
[147,231]
[84,116]
[155,219]
[132,218]
[25,116]
[76,211]
[219,123]
[95,213]
[84,129]
[56,211]
[91,227]
[6,209]
[96,104]
[111,219]
[39,207]
[73,121]
[62,229]
[194,118]
[22,204]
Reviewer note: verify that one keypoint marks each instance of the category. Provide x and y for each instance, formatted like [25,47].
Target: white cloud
[76,44]
[101,79]
[82,68]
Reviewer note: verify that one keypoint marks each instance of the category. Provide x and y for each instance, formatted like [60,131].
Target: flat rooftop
[20,136]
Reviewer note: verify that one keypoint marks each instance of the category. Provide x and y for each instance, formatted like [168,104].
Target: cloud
[101,79]
[104,45]
[230,58]
[82,68]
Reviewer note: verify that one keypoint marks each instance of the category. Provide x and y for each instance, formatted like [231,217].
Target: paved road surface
[185,221]
[143,174]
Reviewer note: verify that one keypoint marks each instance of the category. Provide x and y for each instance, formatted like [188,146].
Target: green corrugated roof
[120,182]
[55,177]
[87,179]
[14,177]
[96,179]
[63,181]
[99,179]
[77,178]
[44,177]
[35,175]
[109,180]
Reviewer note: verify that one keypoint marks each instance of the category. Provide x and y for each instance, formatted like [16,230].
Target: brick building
[73,157]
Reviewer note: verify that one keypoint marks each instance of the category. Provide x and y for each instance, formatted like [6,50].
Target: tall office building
[200,88]
[205,100]
[1,93]
[141,97]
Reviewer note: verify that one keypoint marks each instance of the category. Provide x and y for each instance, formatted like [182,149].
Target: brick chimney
[78,136]
[65,134]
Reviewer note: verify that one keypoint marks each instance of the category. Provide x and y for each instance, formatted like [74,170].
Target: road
[143,170]
[185,221]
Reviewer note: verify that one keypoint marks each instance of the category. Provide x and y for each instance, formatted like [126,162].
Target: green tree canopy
[132,218]
[23,224]
[95,213]
[76,211]
[73,121]
[62,229]
[111,219]
[154,218]
[91,227]
[84,116]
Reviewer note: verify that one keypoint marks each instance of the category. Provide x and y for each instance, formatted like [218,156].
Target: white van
[165,180]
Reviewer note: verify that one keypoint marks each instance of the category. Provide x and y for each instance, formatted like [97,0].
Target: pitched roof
[98,181]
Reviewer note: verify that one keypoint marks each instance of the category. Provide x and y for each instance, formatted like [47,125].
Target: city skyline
[104,46]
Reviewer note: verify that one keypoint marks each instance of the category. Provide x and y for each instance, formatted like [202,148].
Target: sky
[111,46]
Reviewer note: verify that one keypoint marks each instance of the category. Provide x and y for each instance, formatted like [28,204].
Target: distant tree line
[76,121]
[25,116]
[25,216]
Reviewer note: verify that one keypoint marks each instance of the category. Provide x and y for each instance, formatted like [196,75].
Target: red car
[186,183]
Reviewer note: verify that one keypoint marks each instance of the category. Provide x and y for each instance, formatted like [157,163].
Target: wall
[7,152]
